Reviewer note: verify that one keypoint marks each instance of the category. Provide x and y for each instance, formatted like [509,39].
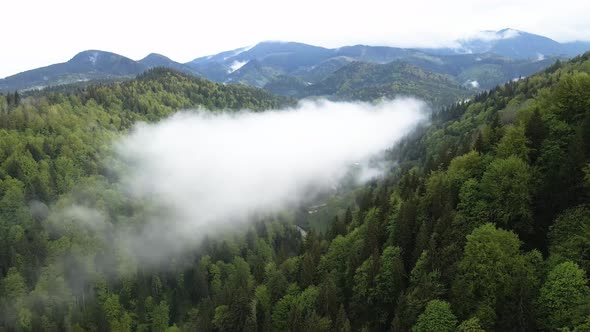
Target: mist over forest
[287,186]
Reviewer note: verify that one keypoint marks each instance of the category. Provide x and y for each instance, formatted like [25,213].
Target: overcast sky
[39,32]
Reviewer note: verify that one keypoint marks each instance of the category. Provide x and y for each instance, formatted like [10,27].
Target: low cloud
[236,65]
[494,35]
[211,172]
[472,83]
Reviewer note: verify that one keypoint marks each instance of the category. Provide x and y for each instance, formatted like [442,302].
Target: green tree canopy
[564,298]
[436,317]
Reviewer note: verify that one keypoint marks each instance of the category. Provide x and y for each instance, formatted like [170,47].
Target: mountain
[92,65]
[85,66]
[440,79]
[306,62]
[157,60]
[481,62]
[321,70]
[514,44]
[576,47]
[482,71]
[377,54]
[253,73]
[492,59]
[285,85]
[369,81]
[287,56]
[257,65]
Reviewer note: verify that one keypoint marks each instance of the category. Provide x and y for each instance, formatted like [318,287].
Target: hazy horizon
[183,31]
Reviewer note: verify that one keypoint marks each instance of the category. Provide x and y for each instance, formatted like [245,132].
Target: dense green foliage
[482,227]
[52,143]
[370,81]
[436,317]
[439,79]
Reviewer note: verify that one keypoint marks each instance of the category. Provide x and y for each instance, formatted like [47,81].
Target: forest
[483,226]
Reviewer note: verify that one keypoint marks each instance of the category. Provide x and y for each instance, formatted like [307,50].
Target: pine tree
[535,132]
[342,324]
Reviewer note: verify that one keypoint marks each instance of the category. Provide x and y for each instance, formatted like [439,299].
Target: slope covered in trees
[51,149]
[484,225]
[370,81]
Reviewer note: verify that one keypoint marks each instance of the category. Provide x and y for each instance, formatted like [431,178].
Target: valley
[291,187]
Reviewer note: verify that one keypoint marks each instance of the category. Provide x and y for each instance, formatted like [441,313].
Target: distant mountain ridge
[86,66]
[295,69]
[514,44]
[370,81]
[153,60]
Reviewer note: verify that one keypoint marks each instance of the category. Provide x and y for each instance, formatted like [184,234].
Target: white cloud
[212,172]
[93,57]
[473,83]
[236,65]
[241,50]
[494,35]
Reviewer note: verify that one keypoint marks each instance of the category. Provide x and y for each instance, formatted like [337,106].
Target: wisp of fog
[208,172]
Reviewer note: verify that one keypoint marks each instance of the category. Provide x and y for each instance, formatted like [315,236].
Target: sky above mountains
[39,32]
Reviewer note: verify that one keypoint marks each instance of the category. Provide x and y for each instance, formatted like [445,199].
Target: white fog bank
[209,171]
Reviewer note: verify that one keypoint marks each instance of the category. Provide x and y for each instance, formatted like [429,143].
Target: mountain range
[301,70]
[513,44]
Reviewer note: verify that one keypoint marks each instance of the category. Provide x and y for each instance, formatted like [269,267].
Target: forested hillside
[483,226]
[51,140]
[366,81]
[52,144]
